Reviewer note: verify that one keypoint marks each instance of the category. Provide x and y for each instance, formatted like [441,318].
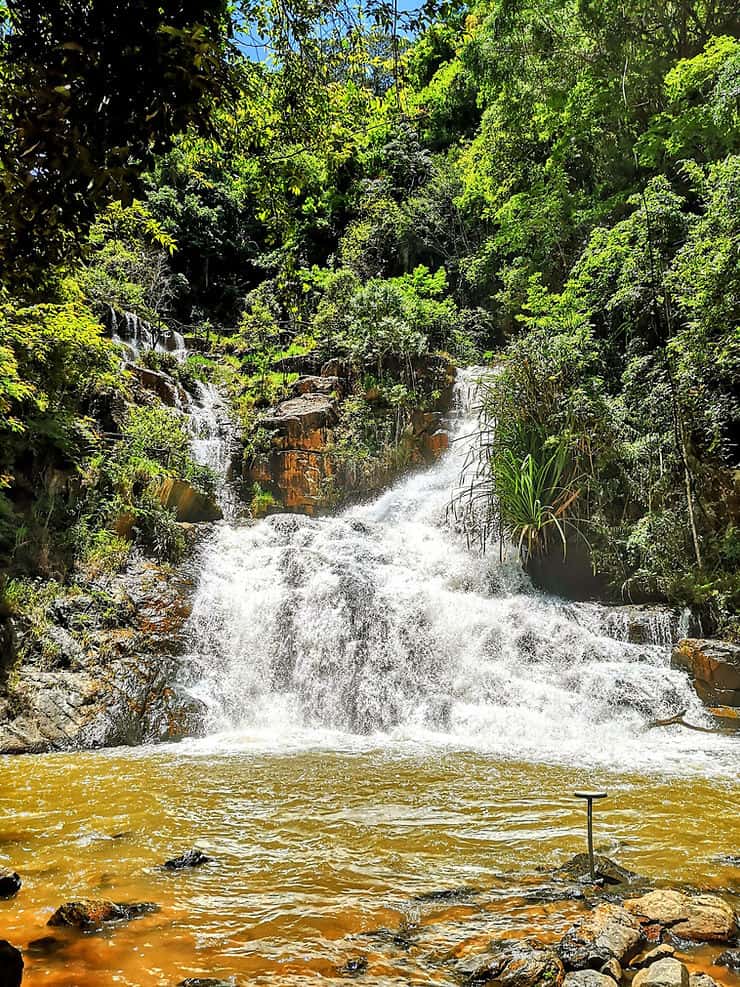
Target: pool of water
[318,845]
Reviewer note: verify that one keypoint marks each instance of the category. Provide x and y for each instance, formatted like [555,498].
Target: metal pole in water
[590,796]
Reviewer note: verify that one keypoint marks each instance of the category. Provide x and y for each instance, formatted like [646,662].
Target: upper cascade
[382,620]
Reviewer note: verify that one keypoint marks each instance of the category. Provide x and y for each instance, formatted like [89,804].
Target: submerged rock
[608,932]
[46,946]
[205,982]
[730,958]
[704,917]
[10,883]
[448,894]
[529,963]
[11,965]
[668,972]
[578,868]
[192,858]
[88,913]
[354,967]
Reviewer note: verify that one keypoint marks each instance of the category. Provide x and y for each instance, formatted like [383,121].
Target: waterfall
[383,622]
[136,335]
[215,443]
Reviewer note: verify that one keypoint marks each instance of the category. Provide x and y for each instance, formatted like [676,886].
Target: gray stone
[730,958]
[587,978]
[613,968]
[668,972]
[608,932]
[702,980]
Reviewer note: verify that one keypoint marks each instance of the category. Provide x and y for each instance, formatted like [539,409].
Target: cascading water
[136,335]
[382,622]
[214,442]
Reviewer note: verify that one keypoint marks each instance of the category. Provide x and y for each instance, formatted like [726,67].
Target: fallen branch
[679,719]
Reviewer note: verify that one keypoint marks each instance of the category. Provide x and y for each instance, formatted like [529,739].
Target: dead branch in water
[679,719]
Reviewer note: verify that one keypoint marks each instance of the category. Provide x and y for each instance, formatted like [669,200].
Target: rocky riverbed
[619,930]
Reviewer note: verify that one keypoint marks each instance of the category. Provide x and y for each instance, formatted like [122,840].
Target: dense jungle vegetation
[552,186]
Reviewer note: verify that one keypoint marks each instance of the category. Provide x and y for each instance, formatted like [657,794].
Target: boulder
[10,883]
[714,667]
[668,972]
[192,858]
[529,963]
[167,390]
[587,978]
[608,932]
[730,958]
[88,913]
[317,385]
[704,917]
[188,503]
[302,423]
[11,965]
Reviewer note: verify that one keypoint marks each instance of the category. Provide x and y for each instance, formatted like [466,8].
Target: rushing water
[392,714]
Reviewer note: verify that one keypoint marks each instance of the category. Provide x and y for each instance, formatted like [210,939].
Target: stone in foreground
[587,978]
[529,963]
[11,965]
[608,932]
[668,972]
[704,917]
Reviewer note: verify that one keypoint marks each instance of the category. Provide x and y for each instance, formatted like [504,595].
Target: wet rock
[88,913]
[448,894]
[123,685]
[665,973]
[705,917]
[587,978]
[188,503]
[354,967]
[702,980]
[46,946]
[661,952]
[167,390]
[192,858]
[578,868]
[730,958]
[714,667]
[10,883]
[608,932]
[11,965]
[613,968]
[528,963]
[205,982]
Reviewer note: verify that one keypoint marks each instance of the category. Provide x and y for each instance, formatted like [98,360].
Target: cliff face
[306,471]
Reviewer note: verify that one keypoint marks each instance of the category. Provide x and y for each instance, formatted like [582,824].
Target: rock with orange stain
[608,932]
[89,913]
[714,667]
[703,918]
[528,963]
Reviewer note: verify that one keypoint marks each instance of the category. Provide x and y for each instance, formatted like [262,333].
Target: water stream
[391,713]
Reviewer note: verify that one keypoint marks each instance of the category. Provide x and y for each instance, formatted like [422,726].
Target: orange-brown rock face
[301,470]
